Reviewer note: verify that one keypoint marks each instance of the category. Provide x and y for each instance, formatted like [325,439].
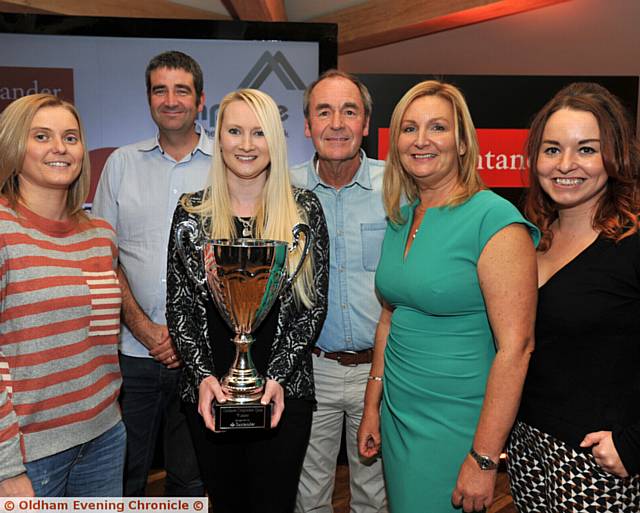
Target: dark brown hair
[176,60]
[616,214]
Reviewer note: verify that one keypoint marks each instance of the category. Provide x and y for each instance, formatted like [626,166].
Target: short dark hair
[334,73]
[616,214]
[176,60]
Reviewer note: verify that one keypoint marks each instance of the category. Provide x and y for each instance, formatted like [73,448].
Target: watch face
[484,462]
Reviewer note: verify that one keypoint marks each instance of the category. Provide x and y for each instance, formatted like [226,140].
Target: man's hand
[161,346]
[156,338]
[18,486]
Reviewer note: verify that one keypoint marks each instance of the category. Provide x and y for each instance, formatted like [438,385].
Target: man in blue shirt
[138,191]
[337,109]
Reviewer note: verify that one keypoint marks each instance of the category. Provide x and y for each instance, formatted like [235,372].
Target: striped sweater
[59,324]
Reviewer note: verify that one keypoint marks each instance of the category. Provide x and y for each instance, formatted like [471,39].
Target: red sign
[98,158]
[501,163]
[16,82]
[383,143]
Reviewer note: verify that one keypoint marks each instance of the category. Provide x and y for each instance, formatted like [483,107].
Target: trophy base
[235,416]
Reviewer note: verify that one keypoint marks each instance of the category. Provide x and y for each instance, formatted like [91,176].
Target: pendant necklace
[247,226]
[416,214]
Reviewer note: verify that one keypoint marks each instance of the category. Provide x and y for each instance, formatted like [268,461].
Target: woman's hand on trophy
[209,390]
[273,392]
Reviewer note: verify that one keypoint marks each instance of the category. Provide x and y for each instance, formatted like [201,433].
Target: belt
[348,358]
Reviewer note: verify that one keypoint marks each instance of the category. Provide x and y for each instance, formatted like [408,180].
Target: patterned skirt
[547,476]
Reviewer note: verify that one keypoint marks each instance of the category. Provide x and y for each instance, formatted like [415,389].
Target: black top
[584,375]
[288,357]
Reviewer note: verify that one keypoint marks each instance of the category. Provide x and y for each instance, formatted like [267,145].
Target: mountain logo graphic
[278,64]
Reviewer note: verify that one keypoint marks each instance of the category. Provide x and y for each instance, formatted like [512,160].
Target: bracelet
[374,378]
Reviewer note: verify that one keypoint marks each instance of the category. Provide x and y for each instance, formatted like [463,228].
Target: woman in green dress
[457,275]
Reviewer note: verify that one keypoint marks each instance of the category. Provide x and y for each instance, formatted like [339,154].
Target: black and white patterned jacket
[297,329]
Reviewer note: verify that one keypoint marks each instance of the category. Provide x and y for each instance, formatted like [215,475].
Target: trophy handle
[308,239]
[190,229]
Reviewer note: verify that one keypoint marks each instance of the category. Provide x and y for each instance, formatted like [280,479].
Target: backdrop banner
[104,78]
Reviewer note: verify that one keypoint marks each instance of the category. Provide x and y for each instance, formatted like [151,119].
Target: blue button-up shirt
[138,191]
[356,222]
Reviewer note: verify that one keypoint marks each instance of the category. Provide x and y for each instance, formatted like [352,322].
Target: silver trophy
[245,277]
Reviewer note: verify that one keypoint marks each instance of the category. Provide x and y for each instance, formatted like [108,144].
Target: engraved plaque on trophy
[245,277]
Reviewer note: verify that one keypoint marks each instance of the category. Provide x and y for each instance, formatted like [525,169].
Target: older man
[337,109]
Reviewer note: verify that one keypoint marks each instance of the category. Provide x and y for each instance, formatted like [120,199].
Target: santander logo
[16,82]
[501,163]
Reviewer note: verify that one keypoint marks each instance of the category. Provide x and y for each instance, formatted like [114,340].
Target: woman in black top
[250,196]
[576,445]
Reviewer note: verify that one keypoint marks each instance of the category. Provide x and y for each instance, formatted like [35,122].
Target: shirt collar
[204,145]
[361,178]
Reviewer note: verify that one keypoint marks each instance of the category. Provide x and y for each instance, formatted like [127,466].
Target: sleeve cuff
[11,458]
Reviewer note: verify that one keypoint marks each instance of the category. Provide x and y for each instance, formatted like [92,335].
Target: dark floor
[502,502]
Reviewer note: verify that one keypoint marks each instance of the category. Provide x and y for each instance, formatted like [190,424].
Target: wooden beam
[256,10]
[12,8]
[117,8]
[381,22]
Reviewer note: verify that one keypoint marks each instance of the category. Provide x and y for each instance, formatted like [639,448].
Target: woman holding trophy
[249,197]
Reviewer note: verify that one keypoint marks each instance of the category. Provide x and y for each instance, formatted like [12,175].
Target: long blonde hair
[397,183]
[15,123]
[278,211]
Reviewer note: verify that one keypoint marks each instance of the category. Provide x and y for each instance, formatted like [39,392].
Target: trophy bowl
[244,277]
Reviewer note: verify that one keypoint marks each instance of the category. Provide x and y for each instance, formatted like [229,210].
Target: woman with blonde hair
[60,428]
[250,196]
[457,277]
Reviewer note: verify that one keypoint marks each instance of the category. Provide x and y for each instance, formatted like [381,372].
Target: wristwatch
[484,462]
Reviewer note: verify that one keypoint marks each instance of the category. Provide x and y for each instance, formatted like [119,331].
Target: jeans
[149,401]
[91,469]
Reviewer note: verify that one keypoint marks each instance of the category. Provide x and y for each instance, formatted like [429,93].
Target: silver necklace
[247,226]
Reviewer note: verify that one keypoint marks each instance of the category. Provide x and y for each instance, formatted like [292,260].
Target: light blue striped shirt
[138,192]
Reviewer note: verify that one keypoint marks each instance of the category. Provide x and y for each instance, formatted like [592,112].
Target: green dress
[439,350]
